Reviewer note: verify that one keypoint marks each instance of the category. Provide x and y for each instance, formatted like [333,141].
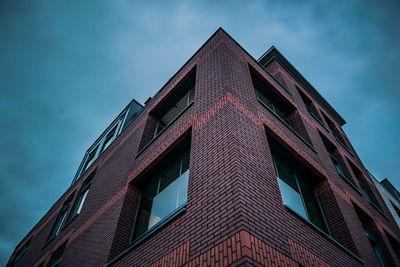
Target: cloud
[69,68]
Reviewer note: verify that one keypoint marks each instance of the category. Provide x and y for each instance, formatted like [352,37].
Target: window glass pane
[109,139]
[176,109]
[312,206]
[142,222]
[183,188]
[165,202]
[191,95]
[170,175]
[185,163]
[291,198]
[82,200]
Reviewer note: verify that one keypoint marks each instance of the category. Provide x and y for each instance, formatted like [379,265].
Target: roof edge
[274,52]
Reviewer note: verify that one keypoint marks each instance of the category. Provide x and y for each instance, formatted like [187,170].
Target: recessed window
[395,245]
[60,218]
[56,257]
[80,200]
[310,106]
[370,234]
[296,185]
[275,103]
[337,161]
[166,193]
[364,184]
[335,132]
[90,159]
[181,97]
[20,253]
[269,98]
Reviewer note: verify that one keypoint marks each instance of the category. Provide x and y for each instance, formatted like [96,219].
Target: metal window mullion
[322,213]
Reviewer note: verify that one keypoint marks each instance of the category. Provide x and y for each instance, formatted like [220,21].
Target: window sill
[149,232]
[290,127]
[351,184]
[379,210]
[163,130]
[325,235]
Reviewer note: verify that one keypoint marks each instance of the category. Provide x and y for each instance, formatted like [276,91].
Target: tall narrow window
[164,195]
[364,185]
[337,161]
[310,106]
[90,159]
[56,257]
[80,200]
[176,103]
[335,131]
[60,218]
[109,138]
[296,185]
[267,96]
[366,224]
[277,104]
[20,253]
[395,245]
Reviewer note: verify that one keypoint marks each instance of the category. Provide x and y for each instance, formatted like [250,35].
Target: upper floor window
[80,200]
[370,234]
[60,218]
[56,257]
[270,99]
[297,185]
[20,253]
[108,136]
[367,190]
[310,106]
[337,161]
[164,194]
[175,103]
[335,132]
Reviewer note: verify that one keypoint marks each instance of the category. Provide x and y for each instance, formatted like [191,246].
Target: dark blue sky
[67,69]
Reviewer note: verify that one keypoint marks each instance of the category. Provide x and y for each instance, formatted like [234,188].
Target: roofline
[273,52]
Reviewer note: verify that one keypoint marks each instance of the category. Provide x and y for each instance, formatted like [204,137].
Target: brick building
[233,162]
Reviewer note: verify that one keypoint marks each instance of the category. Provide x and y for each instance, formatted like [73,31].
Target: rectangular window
[20,253]
[165,194]
[55,259]
[181,98]
[60,218]
[364,184]
[338,162]
[269,98]
[91,157]
[296,184]
[276,104]
[369,233]
[109,138]
[395,245]
[335,131]
[310,106]
[80,200]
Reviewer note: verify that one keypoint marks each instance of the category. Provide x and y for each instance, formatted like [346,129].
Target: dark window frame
[60,219]
[18,256]
[56,256]
[81,198]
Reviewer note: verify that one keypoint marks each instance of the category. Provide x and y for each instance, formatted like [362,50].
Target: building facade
[233,162]
[390,196]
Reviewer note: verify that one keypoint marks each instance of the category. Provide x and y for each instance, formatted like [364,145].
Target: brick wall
[234,213]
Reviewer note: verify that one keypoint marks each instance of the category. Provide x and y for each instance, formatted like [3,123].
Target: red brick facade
[234,215]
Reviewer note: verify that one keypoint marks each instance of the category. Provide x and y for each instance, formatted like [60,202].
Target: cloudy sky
[67,68]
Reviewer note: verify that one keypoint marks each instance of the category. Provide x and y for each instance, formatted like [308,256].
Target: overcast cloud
[68,68]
